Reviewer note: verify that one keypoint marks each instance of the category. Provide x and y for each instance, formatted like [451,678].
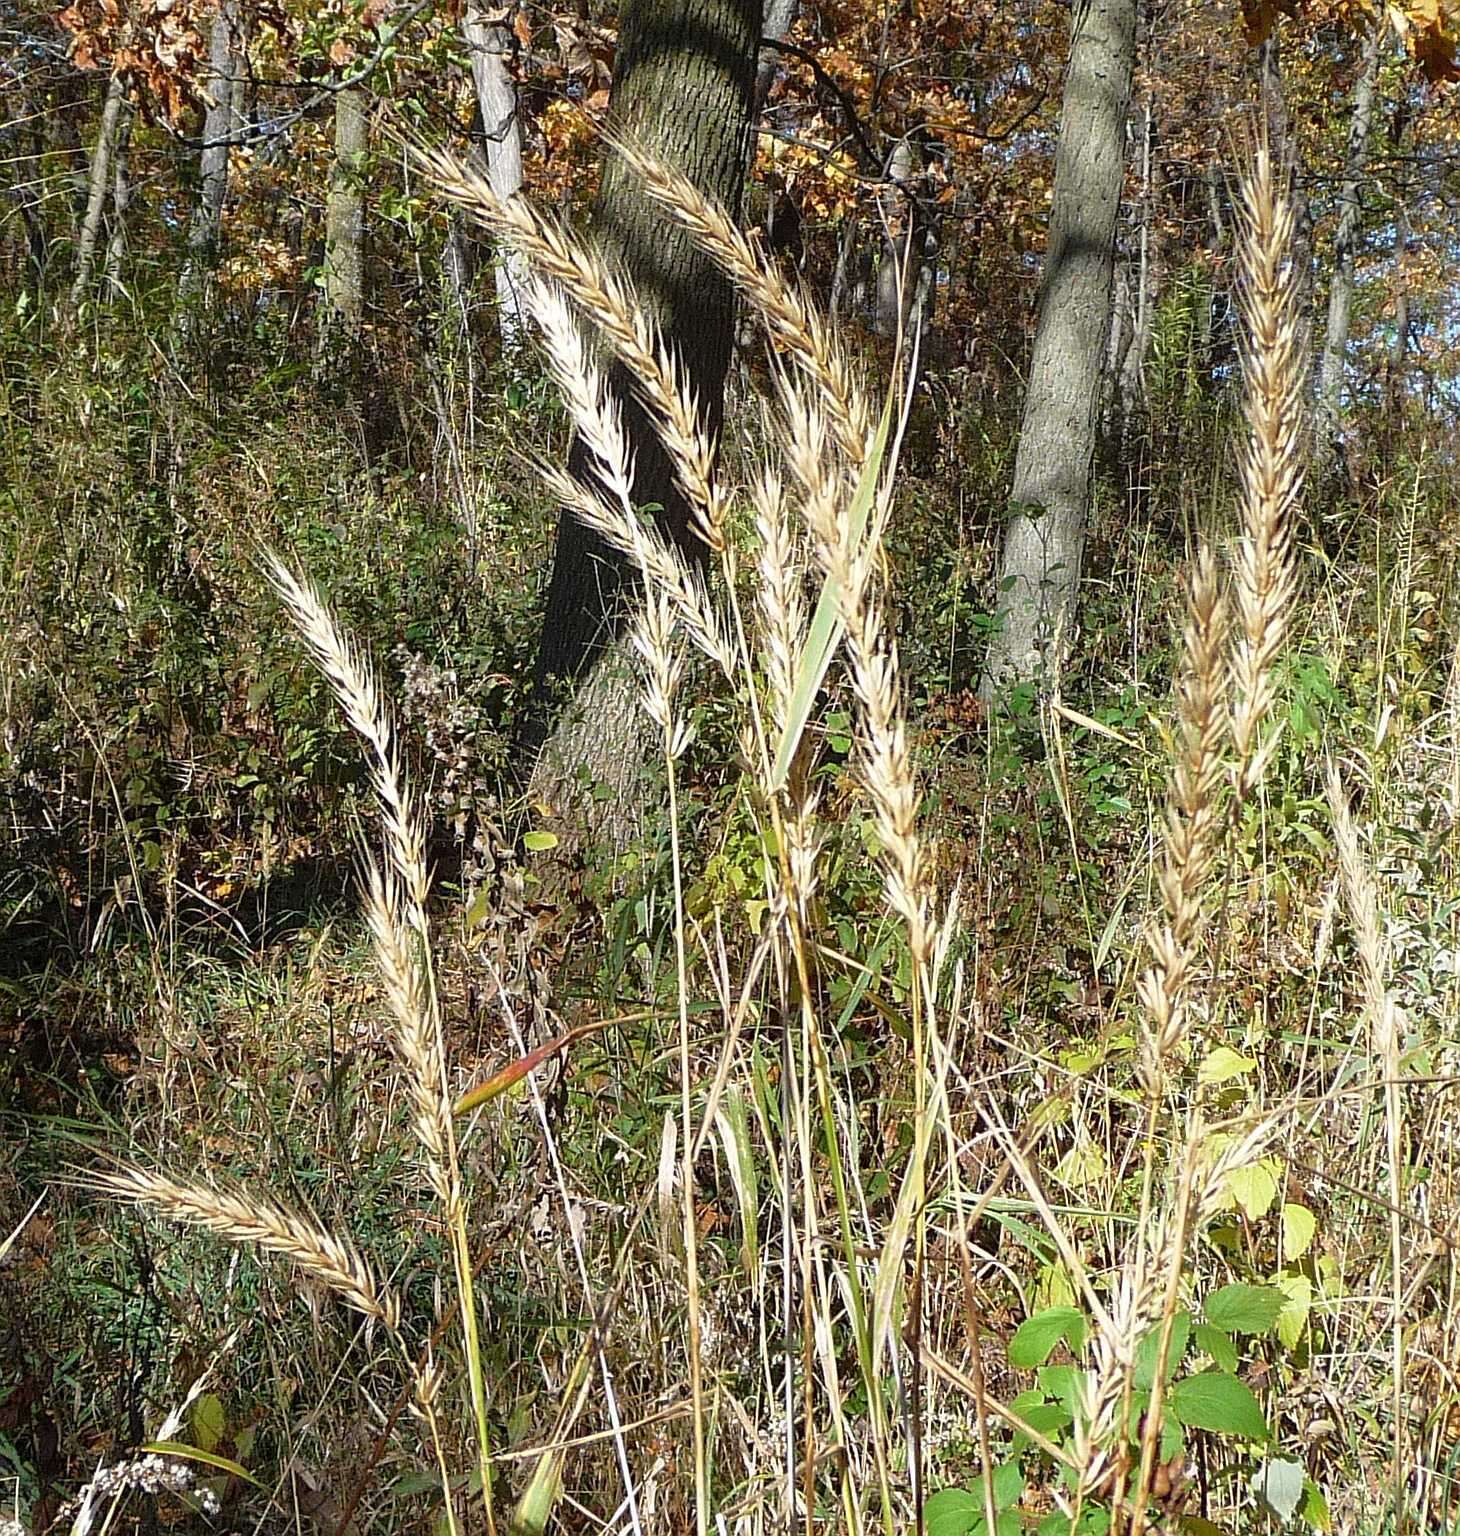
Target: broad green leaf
[1060,1382]
[1241,1308]
[1299,1225]
[826,624]
[1150,1347]
[952,1512]
[1084,1165]
[1220,1403]
[207,1421]
[1298,1303]
[1255,1187]
[1279,1485]
[539,841]
[1218,1345]
[1223,1064]
[1036,1337]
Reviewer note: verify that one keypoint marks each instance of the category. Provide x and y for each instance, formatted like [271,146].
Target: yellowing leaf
[1299,1225]
[1083,1165]
[1255,1187]
[1292,1321]
[1223,1064]
[540,842]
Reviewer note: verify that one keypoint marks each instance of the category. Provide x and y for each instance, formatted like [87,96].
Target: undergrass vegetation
[1038,1121]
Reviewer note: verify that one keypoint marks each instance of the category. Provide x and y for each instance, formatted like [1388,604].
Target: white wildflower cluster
[10,1526]
[151,1475]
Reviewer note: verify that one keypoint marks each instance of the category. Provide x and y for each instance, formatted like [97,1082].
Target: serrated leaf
[1218,1402]
[207,1421]
[1242,1308]
[1279,1485]
[540,841]
[1292,1321]
[1036,1338]
[1299,1225]
[1214,1342]
[1223,1064]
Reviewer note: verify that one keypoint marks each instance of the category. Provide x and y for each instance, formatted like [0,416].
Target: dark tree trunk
[684,85]
[1040,569]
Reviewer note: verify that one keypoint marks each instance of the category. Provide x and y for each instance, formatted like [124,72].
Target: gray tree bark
[1039,572]
[489,46]
[220,124]
[684,85]
[98,186]
[116,245]
[344,228]
[1341,290]
[779,16]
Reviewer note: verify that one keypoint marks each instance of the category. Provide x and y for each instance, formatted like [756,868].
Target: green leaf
[1241,1308]
[1222,1065]
[1047,1419]
[540,842]
[952,1512]
[1315,1507]
[1214,1342]
[1008,1485]
[1060,1382]
[1254,1187]
[1299,1225]
[1036,1338]
[1218,1402]
[1279,1485]
[1293,1319]
[1150,1347]
[207,1422]
[826,624]
[203,1458]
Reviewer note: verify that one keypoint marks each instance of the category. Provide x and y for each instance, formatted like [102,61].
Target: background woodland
[912,979]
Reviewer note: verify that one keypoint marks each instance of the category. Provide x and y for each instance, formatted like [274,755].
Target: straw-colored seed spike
[1272,469]
[791,321]
[607,298]
[248,1219]
[1190,822]
[353,681]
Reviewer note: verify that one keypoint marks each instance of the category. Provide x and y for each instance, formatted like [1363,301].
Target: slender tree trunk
[779,17]
[344,230]
[116,245]
[1341,290]
[98,185]
[489,45]
[219,126]
[684,85]
[1039,572]
[900,263]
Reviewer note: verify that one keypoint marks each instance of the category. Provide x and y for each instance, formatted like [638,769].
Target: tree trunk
[684,85]
[1341,290]
[219,124]
[779,16]
[116,245]
[489,44]
[98,185]
[344,227]
[1040,569]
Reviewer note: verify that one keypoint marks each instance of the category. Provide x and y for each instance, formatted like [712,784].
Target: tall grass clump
[859,1393]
